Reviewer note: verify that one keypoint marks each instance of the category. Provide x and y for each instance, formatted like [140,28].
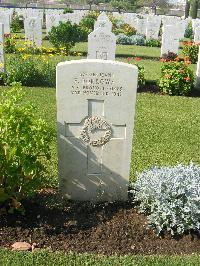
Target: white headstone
[2,61]
[197,35]
[103,22]
[33,30]
[5,18]
[102,43]
[95,121]
[141,26]
[153,27]
[52,20]
[170,40]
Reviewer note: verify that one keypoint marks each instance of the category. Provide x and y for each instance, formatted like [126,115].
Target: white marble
[197,35]
[102,43]
[33,30]
[95,121]
[170,40]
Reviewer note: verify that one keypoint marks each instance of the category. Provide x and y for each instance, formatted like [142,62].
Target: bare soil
[106,228]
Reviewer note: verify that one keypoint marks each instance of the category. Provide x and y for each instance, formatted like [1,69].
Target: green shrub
[153,43]
[24,69]
[124,28]
[16,23]
[170,198]
[65,35]
[10,45]
[133,40]
[24,143]
[170,56]
[48,73]
[68,10]
[87,23]
[189,31]
[176,78]
[31,70]
[191,50]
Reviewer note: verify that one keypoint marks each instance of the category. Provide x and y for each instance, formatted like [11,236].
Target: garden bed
[108,229]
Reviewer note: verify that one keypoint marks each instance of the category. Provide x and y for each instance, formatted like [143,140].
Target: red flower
[138,59]
[129,59]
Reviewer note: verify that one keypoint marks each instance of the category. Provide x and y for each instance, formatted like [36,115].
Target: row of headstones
[95,135]
[148,25]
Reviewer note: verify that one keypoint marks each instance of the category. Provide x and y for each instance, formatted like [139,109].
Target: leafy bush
[189,31]
[68,10]
[24,143]
[10,45]
[131,40]
[141,70]
[17,23]
[176,78]
[153,43]
[118,26]
[170,56]
[87,23]
[124,28]
[23,69]
[191,50]
[65,35]
[141,75]
[170,197]
[31,70]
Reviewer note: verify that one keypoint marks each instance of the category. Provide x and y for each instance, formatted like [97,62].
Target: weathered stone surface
[21,246]
[95,116]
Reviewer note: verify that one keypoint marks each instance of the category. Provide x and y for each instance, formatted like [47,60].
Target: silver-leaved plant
[170,196]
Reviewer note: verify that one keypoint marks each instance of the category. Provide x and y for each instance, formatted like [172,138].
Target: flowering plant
[141,70]
[191,50]
[176,78]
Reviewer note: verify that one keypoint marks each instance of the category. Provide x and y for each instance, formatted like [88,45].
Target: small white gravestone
[197,35]
[33,30]
[95,121]
[102,43]
[170,40]
[198,73]
[103,22]
[2,61]
[5,19]
[52,20]
[153,27]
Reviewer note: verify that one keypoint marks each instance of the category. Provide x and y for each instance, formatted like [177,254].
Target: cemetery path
[107,229]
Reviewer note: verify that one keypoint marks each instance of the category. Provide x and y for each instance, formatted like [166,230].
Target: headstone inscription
[95,121]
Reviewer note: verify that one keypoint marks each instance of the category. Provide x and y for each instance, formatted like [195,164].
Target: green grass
[166,132]
[40,258]
[167,129]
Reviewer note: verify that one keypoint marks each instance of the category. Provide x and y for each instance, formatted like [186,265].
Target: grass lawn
[49,259]
[167,131]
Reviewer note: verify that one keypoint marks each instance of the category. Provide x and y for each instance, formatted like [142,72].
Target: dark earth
[106,228]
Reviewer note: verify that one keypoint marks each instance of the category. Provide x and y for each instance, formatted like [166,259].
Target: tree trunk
[194,9]
[187,9]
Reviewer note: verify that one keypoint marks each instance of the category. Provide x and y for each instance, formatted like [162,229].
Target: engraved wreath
[95,123]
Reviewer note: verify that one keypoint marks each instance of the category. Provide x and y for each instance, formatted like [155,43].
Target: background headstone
[95,118]
[102,42]
[170,40]
[33,30]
